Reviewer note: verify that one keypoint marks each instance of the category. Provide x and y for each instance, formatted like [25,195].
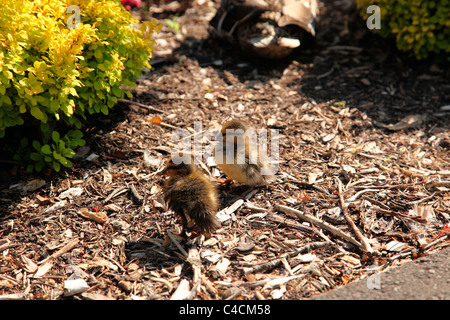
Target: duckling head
[236,126]
[181,165]
[235,132]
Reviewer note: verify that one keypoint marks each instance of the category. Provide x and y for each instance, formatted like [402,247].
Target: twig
[321,224]
[399,215]
[69,246]
[141,105]
[13,296]
[291,224]
[356,196]
[324,237]
[263,266]
[309,186]
[164,124]
[118,191]
[309,247]
[177,244]
[441,239]
[7,245]
[277,262]
[438,184]
[136,195]
[364,241]
[196,264]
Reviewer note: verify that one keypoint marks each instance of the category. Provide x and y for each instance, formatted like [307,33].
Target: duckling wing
[181,191]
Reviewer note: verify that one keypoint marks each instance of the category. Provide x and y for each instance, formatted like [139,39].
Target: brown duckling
[191,195]
[238,156]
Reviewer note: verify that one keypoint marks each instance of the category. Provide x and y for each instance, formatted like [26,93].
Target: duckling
[191,196]
[239,158]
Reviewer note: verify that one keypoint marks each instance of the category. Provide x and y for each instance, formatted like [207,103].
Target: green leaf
[105,109]
[98,85]
[37,113]
[35,156]
[19,121]
[73,92]
[76,134]
[36,145]
[56,166]
[53,91]
[54,105]
[46,149]
[63,160]
[98,54]
[7,100]
[117,91]
[77,123]
[68,164]
[68,153]
[55,136]
[61,145]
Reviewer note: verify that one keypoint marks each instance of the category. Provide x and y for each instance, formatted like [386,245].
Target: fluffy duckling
[191,195]
[237,156]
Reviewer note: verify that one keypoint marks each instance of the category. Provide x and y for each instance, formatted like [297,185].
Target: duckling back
[194,199]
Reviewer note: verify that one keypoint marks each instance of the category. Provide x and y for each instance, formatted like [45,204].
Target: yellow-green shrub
[419,26]
[53,76]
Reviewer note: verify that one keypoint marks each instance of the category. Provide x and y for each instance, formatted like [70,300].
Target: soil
[351,111]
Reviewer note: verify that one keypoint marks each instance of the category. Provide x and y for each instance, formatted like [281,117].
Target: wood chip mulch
[363,182]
